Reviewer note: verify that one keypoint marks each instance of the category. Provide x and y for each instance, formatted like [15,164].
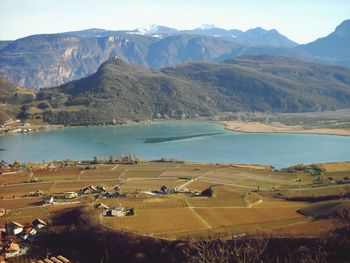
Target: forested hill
[119,91]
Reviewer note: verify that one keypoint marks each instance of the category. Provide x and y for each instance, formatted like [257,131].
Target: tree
[218,250]
[112,159]
[16,164]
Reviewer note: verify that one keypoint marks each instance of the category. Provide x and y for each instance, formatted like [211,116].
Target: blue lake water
[181,140]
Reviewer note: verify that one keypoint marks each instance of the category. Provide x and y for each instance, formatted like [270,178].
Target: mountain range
[120,91]
[54,59]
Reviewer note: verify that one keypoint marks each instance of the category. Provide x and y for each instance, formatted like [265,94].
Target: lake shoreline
[236,126]
[258,127]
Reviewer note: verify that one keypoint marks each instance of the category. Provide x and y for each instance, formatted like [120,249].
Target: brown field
[223,196]
[158,221]
[198,185]
[193,170]
[144,203]
[307,229]
[14,178]
[77,185]
[19,203]
[138,173]
[319,191]
[25,216]
[70,173]
[337,167]
[146,185]
[218,217]
[235,207]
[100,174]
[9,191]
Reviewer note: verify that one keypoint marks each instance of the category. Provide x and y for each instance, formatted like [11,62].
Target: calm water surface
[181,140]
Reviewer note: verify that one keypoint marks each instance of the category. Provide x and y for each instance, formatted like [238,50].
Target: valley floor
[277,127]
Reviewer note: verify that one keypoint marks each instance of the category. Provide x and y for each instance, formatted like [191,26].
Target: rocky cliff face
[50,60]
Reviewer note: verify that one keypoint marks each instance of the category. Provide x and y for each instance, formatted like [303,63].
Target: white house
[13,228]
[38,223]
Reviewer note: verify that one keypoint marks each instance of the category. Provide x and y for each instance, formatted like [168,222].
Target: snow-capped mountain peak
[206,26]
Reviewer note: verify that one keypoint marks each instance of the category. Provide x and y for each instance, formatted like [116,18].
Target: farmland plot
[138,173]
[218,217]
[9,191]
[100,174]
[223,196]
[144,203]
[19,203]
[25,215]
[14,178]
[147,185]
[69,173]
[157,221]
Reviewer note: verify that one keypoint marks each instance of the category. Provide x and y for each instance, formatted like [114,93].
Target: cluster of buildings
[16,239]
[102,192]
[116,211]
[165,190]
[344,180]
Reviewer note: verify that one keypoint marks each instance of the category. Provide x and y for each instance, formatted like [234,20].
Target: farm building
[119,211]
[117,188]
[89,190]
[101,206]
[13,249]
[65,195]
[165,190]
[28,232]
[48,200]
[38,223]
[13,228]
[37,193]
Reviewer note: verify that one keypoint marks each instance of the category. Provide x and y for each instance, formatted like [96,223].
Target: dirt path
[198,215]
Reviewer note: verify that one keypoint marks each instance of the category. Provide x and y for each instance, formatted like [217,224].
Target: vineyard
[217,217]
[19,203]
[25,216]
[157,221]
[242,197]
[144,203]
[14,178]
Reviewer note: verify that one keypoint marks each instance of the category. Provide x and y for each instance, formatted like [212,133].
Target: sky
[300,20]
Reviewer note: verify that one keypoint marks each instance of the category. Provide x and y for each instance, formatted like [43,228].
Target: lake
[190,141]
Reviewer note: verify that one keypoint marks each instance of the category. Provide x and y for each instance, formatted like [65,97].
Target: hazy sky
[300,20]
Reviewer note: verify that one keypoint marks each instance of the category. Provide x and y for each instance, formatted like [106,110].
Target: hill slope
[326,209]
[49,60]
[335,47]
[120,91]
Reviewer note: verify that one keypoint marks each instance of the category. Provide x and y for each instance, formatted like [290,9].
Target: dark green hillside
[12,99]
[272,83]
[119,91]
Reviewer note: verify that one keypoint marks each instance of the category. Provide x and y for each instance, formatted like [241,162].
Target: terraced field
[19,203]
[158,221]
[25,216]
[244,198]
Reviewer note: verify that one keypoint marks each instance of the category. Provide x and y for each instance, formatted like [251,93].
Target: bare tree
[219,250]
